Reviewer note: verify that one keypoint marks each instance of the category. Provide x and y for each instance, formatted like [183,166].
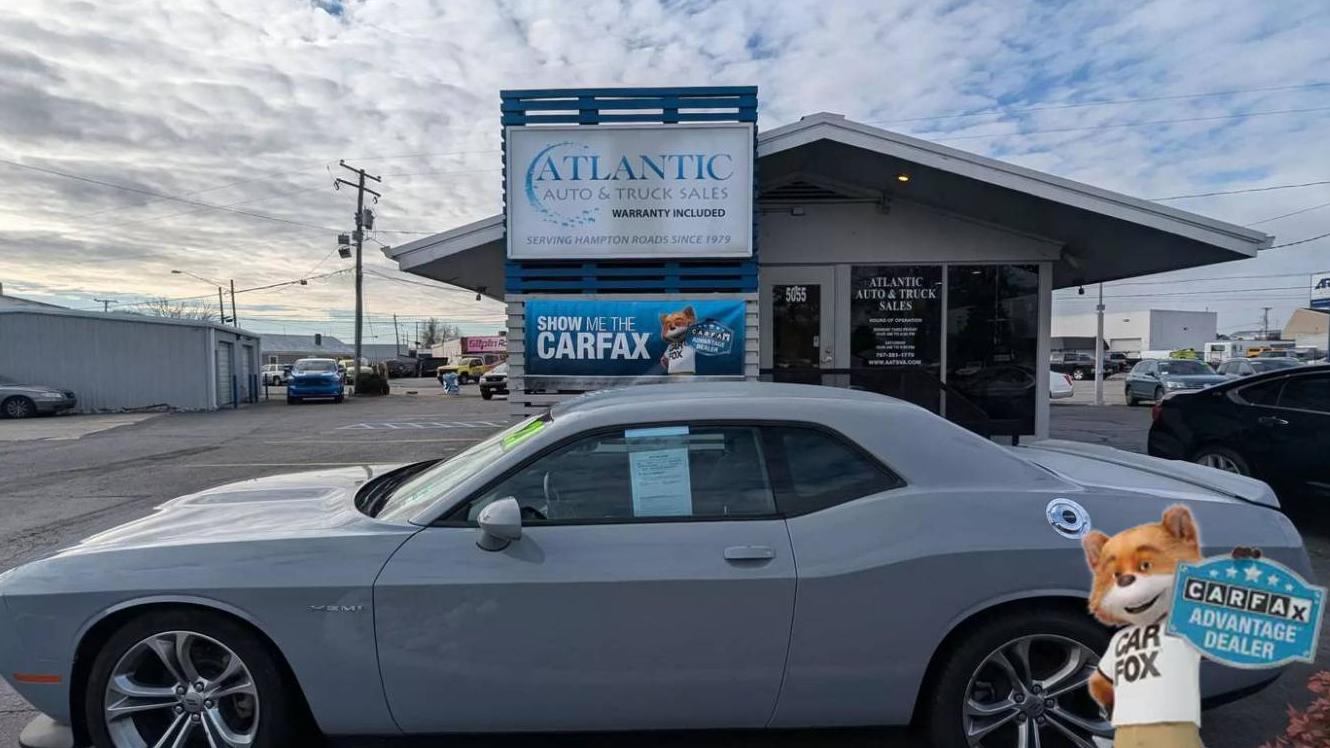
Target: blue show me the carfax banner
[633,339]
[1247,613]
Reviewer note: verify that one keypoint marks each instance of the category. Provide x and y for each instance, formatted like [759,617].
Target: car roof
[660,394]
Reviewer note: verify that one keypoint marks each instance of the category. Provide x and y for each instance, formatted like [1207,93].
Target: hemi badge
[36,678]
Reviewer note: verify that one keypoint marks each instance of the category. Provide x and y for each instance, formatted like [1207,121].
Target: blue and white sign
[1247,613]
[630,191]
[1321,291]
[664,338]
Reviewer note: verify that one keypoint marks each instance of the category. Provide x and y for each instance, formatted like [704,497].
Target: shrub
[1310,727]
[371,384]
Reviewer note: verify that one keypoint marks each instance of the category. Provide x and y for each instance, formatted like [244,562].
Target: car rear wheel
[1020,681]
[1131,399]
[187,678]
[1222,458]
[18,407]
[1078,374]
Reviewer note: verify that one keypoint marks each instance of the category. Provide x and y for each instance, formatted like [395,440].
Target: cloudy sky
[138,137]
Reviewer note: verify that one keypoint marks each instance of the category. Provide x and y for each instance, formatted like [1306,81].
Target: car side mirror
[500,524]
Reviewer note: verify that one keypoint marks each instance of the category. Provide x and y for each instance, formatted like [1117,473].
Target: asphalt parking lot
[68,477]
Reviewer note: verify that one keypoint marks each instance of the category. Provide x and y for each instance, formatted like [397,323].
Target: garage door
[1125,345]
[246,371]
[225,395]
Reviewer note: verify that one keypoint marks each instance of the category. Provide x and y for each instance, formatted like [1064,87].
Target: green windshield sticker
[522,434]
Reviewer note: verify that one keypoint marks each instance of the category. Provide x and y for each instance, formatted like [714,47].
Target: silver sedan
[683,556]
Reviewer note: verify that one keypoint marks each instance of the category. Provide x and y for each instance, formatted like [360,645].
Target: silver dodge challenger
[736,555]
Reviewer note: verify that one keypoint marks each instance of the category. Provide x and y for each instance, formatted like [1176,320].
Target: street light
[221,307]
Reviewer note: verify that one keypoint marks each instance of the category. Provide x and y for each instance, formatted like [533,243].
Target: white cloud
[250,104]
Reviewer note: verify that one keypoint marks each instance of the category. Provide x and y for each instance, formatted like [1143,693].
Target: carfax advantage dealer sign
[627,191]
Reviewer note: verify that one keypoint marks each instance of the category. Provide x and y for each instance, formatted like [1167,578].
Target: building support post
[1099,349]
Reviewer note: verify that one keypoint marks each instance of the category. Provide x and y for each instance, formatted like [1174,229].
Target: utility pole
[106,304]
[235,321]
[221,307]
[1265,322]
[359,237]
[1099,350]
[397,338]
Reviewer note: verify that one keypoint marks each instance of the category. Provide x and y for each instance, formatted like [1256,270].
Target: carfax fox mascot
[1148,679]
[680,357]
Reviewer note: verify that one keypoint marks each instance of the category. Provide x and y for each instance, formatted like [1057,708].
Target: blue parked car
[1155,379]
[314,378]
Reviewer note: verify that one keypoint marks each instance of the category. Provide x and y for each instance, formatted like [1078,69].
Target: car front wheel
[1078,374]
[185,678]
[18,407]
[1020,680]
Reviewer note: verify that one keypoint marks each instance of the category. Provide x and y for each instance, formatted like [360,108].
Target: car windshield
[413,495]
[1273,364]
[314,366]
[1184,368]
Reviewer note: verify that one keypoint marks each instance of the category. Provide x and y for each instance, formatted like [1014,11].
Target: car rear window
[825,471]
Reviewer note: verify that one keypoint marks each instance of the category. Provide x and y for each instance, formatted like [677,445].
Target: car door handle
[749,553]
[1271,421]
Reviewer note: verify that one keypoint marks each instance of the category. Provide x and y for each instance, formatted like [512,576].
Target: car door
[1296,431]
[652,587]
[1143,380]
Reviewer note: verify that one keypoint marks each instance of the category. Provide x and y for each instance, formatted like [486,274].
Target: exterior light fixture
[902,177]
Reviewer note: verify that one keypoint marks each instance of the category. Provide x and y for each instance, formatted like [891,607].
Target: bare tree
[192,310]
[436,331]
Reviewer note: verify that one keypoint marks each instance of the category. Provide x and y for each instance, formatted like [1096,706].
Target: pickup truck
[468,369]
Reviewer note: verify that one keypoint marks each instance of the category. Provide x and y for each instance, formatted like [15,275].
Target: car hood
[1196,379]
[32,388]
[317,503]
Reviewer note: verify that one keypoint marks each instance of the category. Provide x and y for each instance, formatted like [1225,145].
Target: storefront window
[896,331]
[992,343]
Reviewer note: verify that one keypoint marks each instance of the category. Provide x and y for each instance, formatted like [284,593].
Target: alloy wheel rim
[17,408]
[181,689]
[1031,692]
[1219,462]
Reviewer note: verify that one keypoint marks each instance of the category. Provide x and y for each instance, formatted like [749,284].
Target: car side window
[1261,393]
[823,470]
[1306,393]
[628,475]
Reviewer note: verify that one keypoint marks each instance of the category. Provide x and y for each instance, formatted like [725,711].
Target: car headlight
[50,396]
[1175,385]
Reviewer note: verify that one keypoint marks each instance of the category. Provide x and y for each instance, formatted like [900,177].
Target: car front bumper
[44,732]
[55,406]
[317,388]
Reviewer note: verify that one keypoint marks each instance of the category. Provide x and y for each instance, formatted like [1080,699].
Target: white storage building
[125,361]
[1147,330]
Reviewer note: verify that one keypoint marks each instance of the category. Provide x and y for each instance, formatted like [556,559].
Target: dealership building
[654,235]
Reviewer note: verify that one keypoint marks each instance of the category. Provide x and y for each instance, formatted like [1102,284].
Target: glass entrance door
[797,320]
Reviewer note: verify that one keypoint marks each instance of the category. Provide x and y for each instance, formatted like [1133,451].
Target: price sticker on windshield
[1246,613]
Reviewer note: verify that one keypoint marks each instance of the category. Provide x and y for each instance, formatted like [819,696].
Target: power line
[1286,215]
[1102,102]
[1300,241]
[162,196]
[1240,192]
[248,290]
[407,281]
[1127,124]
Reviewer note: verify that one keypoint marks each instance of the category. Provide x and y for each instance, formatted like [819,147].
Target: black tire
[1159,395]
[1132,399]
[487,394]
[945,702]
[339,398]
[1239,462]
[1078,374]
[282,717]
[18,406]
[292,400]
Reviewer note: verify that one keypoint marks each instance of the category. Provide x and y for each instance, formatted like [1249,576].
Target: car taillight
[1068,380]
